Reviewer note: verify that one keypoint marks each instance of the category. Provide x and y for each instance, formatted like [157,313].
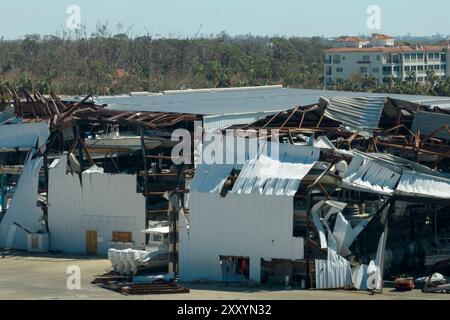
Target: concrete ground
[44,277]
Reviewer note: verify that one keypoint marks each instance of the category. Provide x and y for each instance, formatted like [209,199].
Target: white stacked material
[129,261]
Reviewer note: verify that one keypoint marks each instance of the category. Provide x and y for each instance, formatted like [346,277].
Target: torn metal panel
[333,273]
[281,177]
[389,175]
[23,209]
[323,142]
[345,235]
[24,135]
[333,207]
[319,227]
[356,114]
[364,174]
[423,185]
[7,116]
[428,123]
[210,178]
[359,277]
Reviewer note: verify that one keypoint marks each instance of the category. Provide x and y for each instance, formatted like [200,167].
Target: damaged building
[359,191]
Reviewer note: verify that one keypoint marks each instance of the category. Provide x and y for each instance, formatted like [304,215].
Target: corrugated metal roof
[380,174]
[224,121]
[279,177]
[25,135]
[423,185]
[357,114]
[428,122]
[364,174]
[210,178]
[244,101]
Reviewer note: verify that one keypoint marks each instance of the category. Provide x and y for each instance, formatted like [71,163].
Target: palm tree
[410,76]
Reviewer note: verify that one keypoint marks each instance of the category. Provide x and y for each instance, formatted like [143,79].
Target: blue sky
[259,17]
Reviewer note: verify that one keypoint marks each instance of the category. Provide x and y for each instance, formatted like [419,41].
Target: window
[339,69]
[378,58]
[328,71]
[120,236]
[337,59]
[375,70]
[420,56]
[436,67]
[420,68]
[396,68]
[413,56]
[363,69]
[366,58]
[430,56]
[327,59]
[437,56]
[414,68]
[407,69]
[395,59]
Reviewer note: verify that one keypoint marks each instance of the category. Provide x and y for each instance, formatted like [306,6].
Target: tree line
[104,64]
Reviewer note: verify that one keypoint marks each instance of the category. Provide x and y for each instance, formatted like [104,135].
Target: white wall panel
[250,225]
[103,202]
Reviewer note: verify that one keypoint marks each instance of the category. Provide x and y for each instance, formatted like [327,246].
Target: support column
[255,269]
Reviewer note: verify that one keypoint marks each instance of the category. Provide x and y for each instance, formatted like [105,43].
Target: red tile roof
[350,39]
[379,36]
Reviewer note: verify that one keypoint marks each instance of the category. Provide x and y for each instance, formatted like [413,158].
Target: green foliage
[433,86]
[108,63]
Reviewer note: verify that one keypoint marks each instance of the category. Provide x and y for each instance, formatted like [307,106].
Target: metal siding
[333,273]
[23,209]
[366,175]
[104,203]
[428,122]
[25,135]
[358,114]
[277,176]
[418,184]
[237,225]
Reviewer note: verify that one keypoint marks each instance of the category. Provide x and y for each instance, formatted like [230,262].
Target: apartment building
[382,59]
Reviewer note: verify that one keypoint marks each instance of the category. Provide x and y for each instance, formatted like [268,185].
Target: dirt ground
[44,277]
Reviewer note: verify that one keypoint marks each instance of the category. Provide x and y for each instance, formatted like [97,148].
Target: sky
[188,18]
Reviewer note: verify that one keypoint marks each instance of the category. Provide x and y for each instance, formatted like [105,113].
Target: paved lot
[45,277]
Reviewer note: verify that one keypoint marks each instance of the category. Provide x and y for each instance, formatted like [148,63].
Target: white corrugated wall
[103,202]
[249,225]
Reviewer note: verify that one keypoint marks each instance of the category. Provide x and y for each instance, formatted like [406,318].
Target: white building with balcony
[382,40]
[384,62]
